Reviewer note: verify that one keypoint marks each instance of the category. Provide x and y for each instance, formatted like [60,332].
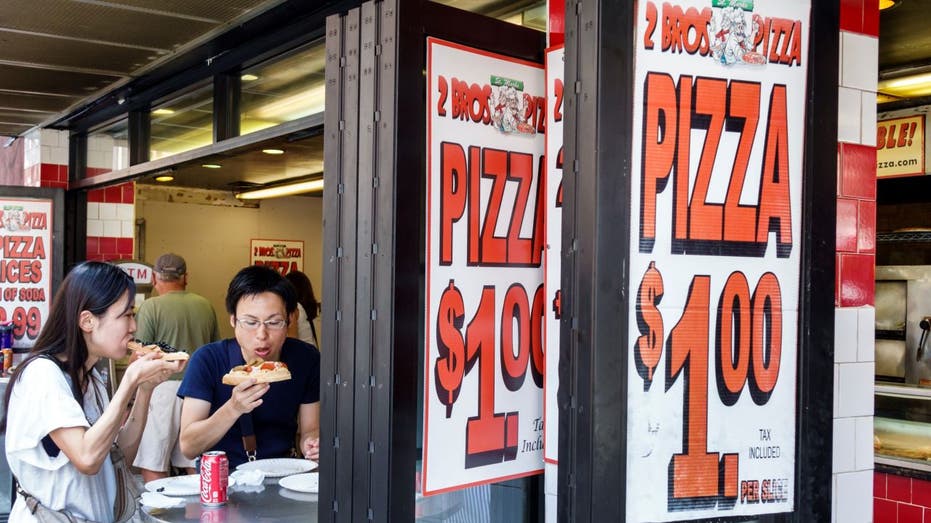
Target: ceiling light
[164,178]
[211,165]
[283,190]
[273,151]
[249,77]
[886,4]
[906,86]
[163,111]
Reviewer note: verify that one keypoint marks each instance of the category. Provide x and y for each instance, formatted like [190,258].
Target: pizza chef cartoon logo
[733,32]
[511,108]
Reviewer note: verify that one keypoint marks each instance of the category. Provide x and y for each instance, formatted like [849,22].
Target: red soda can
[214,478]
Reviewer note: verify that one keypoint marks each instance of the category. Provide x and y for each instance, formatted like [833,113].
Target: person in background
[186,321]
[302,326]
[59,421]
[259,301]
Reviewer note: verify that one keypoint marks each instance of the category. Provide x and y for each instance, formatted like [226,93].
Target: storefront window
[283,89]
[182,123]
[526,13]
[108,148]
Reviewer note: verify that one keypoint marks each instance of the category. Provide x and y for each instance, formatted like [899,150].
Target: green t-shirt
[181,319]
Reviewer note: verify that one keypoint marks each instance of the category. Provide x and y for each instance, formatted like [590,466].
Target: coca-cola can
[214,478]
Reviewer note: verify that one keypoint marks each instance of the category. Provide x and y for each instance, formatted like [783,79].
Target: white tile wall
[49,137]
[853,495]
[128,229]
[859,61]
[59,155]
[836,388]
[863,446]
[866,338]
[855,389]
[93,210]
[108,211]
[846,331]
[112,228]
[868,114]
[849,105]
[844,445]
[125,211]
[94,228]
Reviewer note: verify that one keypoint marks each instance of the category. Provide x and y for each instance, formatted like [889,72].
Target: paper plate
[179,485]
[308,483]
[279,467]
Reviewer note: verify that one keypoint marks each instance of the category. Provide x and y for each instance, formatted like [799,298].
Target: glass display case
[902,426]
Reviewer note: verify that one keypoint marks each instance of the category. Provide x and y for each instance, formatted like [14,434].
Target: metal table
[274,503]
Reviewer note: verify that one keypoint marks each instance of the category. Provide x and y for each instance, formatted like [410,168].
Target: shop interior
[903,255]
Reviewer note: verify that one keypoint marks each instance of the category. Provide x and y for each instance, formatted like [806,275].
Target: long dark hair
[90,286]
[305,294]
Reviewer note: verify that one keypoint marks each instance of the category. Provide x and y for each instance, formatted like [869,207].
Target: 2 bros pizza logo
[501,103]
[728,31]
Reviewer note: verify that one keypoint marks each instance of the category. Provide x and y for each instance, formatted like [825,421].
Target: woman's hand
[150,369]
[248,395]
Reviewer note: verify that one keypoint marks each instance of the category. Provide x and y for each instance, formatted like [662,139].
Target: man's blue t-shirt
[275,420]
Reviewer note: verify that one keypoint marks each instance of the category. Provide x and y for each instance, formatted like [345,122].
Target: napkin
[156,500]
[248,480]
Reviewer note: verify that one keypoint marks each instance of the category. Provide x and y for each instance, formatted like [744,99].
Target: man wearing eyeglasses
[215,416]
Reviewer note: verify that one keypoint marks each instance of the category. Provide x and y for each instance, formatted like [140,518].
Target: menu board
[715,211]
[282,255]
[483,408]
[25,266]
[555,69]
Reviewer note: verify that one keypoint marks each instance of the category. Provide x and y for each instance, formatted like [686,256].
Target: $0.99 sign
[747,350]
[26,322]
[491,437]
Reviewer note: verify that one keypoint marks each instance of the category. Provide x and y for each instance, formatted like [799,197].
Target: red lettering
[775,212]
[443,88]
[452,195]
[461,194]
[659,146]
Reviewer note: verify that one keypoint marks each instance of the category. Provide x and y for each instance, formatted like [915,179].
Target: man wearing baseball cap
[185,321]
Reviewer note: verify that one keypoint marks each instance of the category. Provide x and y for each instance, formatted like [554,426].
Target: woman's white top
[42,402]
[304,332]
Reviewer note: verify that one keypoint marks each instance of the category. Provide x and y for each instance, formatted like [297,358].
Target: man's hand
[311,448]
[247,396]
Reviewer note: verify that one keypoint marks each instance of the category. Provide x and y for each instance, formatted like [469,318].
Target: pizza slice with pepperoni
[263,372]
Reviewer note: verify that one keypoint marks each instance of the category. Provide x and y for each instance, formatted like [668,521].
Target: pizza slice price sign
[747,351]
[491,437]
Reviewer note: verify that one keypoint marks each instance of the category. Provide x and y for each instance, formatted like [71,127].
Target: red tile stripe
[855,235]
[860,16]
[900,499]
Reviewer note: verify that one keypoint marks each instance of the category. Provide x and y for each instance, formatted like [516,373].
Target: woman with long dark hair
[303,327]
[59,422]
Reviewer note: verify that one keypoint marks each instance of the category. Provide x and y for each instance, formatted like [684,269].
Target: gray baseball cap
[170,265]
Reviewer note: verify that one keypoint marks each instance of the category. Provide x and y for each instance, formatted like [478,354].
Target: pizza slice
[168,352]
[263,372]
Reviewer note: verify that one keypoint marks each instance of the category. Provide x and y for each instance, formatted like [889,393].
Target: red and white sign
[25,266]
[282,255]
[483,408]
[555,69]
[715,207]
[141,273]
[900,146]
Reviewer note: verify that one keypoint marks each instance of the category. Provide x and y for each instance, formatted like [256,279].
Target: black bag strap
[245,420]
